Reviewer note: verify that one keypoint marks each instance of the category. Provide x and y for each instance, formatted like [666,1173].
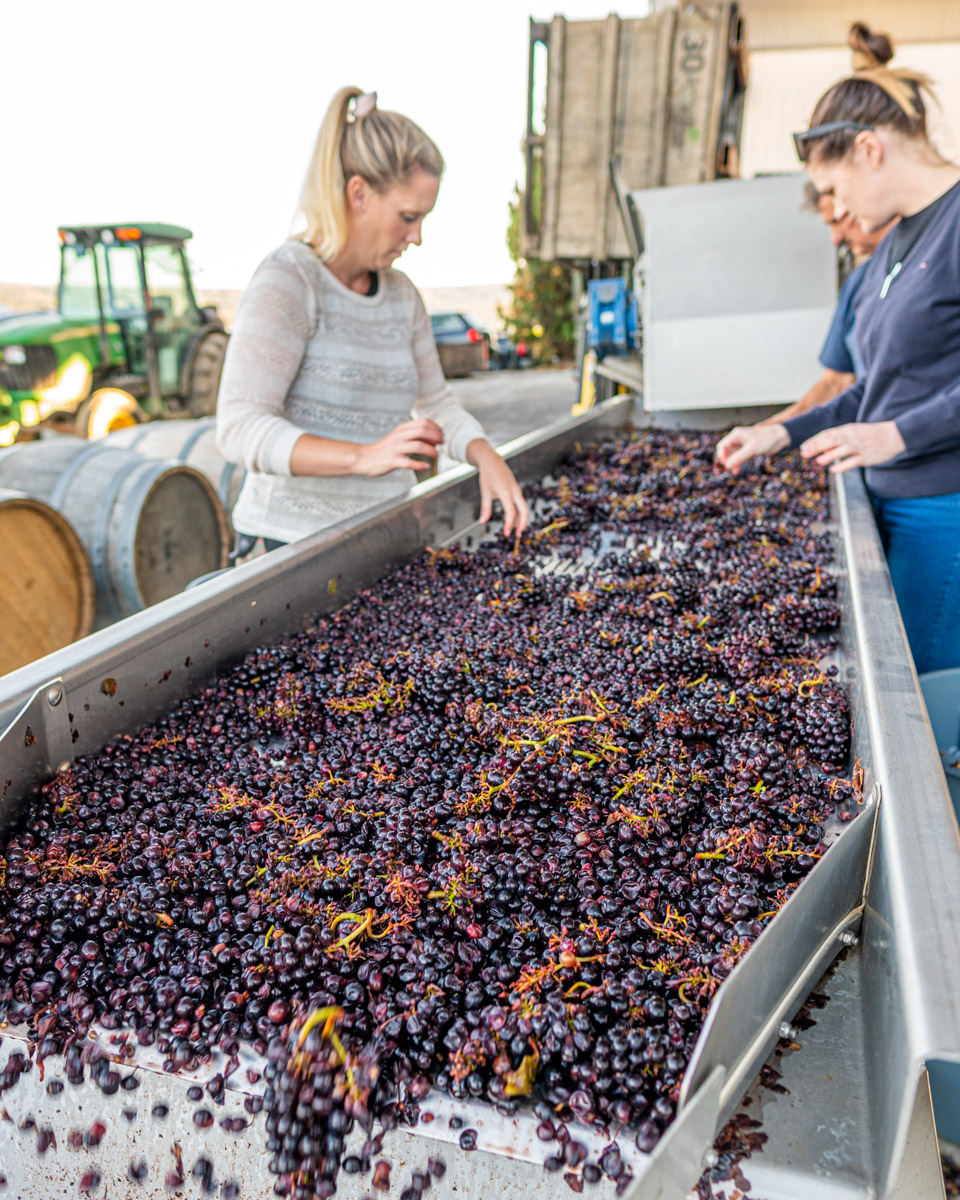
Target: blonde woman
[332,382]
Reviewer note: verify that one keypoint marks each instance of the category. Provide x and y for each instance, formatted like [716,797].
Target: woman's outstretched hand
[497,482]
[860,444]
[394,452]
[749,441]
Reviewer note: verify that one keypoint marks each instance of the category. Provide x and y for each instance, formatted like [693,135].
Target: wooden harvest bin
[663,93]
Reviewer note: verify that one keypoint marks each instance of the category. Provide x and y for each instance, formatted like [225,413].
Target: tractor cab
[128,341]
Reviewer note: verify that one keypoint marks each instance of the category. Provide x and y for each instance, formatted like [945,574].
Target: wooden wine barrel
[191,442]
[149,526]
[46,582]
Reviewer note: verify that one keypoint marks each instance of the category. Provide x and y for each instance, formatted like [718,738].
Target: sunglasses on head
[800,140]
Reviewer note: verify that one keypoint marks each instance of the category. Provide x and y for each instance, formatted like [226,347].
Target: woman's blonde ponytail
[324,201]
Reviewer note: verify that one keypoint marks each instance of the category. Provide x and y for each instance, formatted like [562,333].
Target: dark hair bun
[876,46]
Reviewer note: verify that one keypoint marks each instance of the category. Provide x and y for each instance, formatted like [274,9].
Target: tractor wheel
[107,410]
[201,399]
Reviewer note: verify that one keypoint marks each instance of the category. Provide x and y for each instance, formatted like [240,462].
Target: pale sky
[204,114]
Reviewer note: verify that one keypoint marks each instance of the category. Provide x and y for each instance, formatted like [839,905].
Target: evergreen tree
[540,311]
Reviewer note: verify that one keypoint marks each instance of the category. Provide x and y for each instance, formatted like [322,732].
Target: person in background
[331,386]
[868,148]
[839,357]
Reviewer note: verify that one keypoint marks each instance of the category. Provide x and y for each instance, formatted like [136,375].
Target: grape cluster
[314,1094]
[951,1176]
[516,813]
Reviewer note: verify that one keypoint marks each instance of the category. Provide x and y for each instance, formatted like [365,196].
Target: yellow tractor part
[74,377]
[588,385]
[107,410]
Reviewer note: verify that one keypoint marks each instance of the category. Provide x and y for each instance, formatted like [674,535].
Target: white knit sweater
[308,355]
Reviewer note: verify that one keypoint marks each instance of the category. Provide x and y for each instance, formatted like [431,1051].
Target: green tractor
[128,340]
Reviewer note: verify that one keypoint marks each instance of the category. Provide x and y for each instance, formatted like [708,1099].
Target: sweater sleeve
[841,410]
[934,425]
[276,315]
[435,398]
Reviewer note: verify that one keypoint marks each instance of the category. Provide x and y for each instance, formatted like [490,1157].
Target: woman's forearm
[320,456]
[313,455]
[479,451]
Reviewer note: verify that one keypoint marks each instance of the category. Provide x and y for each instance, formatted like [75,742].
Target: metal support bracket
[629,214]
[36,742]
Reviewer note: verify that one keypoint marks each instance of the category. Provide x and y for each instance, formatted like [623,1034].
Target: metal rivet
[848,938]
[54,695]
[710,1158]
[788,1031]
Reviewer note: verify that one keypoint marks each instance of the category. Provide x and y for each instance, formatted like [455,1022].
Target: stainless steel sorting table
[851,1117]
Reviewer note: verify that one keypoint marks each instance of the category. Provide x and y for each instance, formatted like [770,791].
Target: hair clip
[365,104]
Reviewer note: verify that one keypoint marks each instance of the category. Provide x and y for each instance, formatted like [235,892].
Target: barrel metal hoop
[126,555]
[192,440]
[99,551]
[142,431]
[67,476]
[223,487]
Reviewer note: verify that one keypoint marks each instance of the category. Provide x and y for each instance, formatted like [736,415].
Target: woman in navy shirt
[867,146]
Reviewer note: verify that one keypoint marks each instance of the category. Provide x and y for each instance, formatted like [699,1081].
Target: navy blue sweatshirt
[910,342]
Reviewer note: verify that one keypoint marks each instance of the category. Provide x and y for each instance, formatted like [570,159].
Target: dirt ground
[510,403]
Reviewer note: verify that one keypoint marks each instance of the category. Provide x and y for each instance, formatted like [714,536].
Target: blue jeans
[921,539]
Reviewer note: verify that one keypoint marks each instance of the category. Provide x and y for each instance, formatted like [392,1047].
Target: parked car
[510,354]
[463,344]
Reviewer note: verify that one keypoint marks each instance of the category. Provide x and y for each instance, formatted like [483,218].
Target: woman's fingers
[497,482]
[519,512]
[414,446]
[731,453]
[401,454]
[727,445]
[516,514]
[412,433]
[859,444]
[829,454]
[829,437]
[822,442]
[746,442]
[523,512]
[511,513]
[423,428]
[395,451]
[847,464]
[832,449]
[735,449]
[403,463]
[486,500]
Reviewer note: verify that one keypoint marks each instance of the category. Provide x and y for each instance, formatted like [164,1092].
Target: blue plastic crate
[941,694]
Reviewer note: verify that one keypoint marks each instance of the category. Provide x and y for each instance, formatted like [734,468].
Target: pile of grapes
[512,815]
[951,1176]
